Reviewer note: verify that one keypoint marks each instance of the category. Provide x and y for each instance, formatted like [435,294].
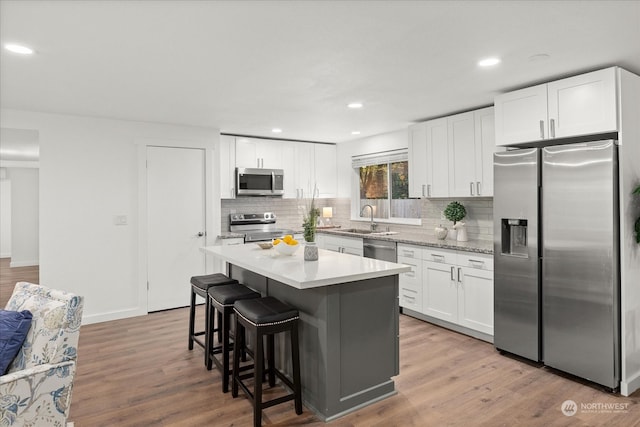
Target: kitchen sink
[357,231]
[365,231]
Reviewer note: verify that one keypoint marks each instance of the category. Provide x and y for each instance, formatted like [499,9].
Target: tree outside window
[375,182]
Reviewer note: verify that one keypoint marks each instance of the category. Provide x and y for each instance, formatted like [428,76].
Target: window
[384,184]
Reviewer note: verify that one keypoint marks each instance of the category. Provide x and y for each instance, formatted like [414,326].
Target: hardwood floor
[9,276]
[138,372]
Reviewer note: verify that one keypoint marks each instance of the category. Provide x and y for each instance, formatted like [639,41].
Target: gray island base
[349,348]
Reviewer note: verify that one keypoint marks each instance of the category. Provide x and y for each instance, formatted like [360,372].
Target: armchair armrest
[37,396]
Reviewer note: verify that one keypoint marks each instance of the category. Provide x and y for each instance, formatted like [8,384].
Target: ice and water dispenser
[514,237]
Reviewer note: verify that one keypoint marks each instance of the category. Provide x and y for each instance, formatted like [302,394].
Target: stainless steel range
[256,227]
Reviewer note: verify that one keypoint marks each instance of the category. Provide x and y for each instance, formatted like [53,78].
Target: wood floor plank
[138,372]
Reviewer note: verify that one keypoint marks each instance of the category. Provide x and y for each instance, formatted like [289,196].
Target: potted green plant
[637,225]
[309,225]
[456,212]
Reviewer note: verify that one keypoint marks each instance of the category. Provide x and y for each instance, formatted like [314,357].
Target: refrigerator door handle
[541,129]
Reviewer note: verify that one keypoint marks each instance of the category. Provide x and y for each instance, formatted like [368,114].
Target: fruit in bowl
[287,245]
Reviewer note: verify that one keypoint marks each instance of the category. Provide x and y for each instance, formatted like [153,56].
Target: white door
[521,116]
[439,293]
[418,160]
[176,224]
[437,158]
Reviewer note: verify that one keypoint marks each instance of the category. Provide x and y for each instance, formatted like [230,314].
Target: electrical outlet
[120,220]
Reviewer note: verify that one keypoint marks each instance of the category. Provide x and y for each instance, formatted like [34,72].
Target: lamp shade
[327,212]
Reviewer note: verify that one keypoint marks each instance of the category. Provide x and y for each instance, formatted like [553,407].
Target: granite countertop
[477,246]
[331,268]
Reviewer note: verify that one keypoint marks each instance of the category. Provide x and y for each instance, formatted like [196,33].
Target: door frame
[212,215]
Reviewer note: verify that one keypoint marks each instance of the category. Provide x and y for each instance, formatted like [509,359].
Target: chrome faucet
[373,224]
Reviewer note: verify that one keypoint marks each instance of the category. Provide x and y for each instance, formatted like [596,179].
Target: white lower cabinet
[448,285]
[345,245]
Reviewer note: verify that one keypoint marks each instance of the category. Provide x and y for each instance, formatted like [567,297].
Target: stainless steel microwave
[259,182]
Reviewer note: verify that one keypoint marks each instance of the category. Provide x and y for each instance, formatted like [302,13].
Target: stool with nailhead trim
[221,300]
[199,286]
[266,317]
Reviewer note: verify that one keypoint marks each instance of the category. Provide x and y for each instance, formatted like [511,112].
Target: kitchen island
[349,348]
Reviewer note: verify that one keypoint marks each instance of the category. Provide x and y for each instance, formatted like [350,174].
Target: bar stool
[199,286]
[266,317]
[221,299]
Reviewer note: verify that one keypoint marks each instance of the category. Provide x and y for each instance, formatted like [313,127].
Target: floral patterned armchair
[36,390]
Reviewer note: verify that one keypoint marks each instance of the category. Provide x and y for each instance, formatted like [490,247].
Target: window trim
[390,156]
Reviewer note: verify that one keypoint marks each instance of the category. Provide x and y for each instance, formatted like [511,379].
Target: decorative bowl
[285,249]
[265,245]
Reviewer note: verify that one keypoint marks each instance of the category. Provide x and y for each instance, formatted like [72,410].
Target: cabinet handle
[478,191]
[423,190]
[408,297]
[476,263]
[541,129]
[437,258]
[471,188]
[459,270]
[452,278]
[408,253]
[552,122]
[428,190]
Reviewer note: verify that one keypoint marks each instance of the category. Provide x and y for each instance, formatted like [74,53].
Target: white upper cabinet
[462,155]
[227,167]
[580,105]
[437,158]
[484,123]
[325,170]
[303,170]
[418,160]
[452,156]
[258,153]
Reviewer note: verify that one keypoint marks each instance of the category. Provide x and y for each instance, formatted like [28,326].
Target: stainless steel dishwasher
[379,249]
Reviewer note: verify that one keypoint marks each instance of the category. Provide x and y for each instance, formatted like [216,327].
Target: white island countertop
[331,268]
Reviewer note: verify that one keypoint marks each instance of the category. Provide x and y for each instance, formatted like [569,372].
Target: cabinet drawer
[410,298]
[414,277]
[439,255]
[478,261]
[409,251]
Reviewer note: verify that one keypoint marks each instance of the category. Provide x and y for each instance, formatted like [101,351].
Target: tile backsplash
[479,219]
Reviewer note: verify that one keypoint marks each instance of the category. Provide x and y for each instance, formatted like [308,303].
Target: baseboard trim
[629,387]
[13,264]
[113,315]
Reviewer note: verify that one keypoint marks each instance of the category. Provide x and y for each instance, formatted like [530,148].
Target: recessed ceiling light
[276,130]
[489,62]
[355,132]
[355,105]
[16,48]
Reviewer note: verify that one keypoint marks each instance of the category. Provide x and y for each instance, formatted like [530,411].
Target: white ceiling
[246,67]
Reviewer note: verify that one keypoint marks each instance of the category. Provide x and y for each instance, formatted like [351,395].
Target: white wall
[24,216]
[372,144]
[5,217]
[89,172]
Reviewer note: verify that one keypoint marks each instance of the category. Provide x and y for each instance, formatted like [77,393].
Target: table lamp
[327,214]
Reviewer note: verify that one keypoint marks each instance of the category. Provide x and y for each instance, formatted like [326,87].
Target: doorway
[176,223]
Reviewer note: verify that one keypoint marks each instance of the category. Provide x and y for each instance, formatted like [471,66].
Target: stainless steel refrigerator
[557,286]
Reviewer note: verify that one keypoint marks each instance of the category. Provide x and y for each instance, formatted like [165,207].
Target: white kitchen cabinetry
[258,153]
[345,245]
[452,156]
[455,286]
[410,283]
[580,105]
[471,148]
[428,159]
[303,170]
[325,170]
[440,291]
[227,167]
[474,278]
